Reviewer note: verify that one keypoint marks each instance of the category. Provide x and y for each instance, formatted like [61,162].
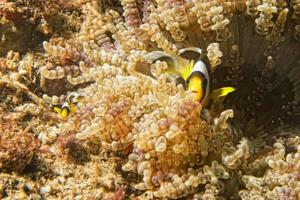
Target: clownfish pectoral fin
[221,92]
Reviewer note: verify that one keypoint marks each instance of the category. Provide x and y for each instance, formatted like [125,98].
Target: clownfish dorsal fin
[176,64]
[221,92]
[159,55]
[190,53]
[162,56]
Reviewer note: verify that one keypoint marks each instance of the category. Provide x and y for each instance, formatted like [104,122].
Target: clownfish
[64,110]
[191,69]
[68,107]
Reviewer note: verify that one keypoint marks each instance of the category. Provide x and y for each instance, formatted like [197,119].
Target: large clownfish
[191,69]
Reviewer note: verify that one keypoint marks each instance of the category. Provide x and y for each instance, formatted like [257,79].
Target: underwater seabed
[80,120]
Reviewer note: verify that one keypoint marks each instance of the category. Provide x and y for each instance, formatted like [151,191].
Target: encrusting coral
[108,129]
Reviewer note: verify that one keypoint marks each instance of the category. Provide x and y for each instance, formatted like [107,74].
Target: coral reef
[81,117]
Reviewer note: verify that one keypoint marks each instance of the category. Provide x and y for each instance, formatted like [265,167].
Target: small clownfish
[191,69]
[69,107]
[64,110]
